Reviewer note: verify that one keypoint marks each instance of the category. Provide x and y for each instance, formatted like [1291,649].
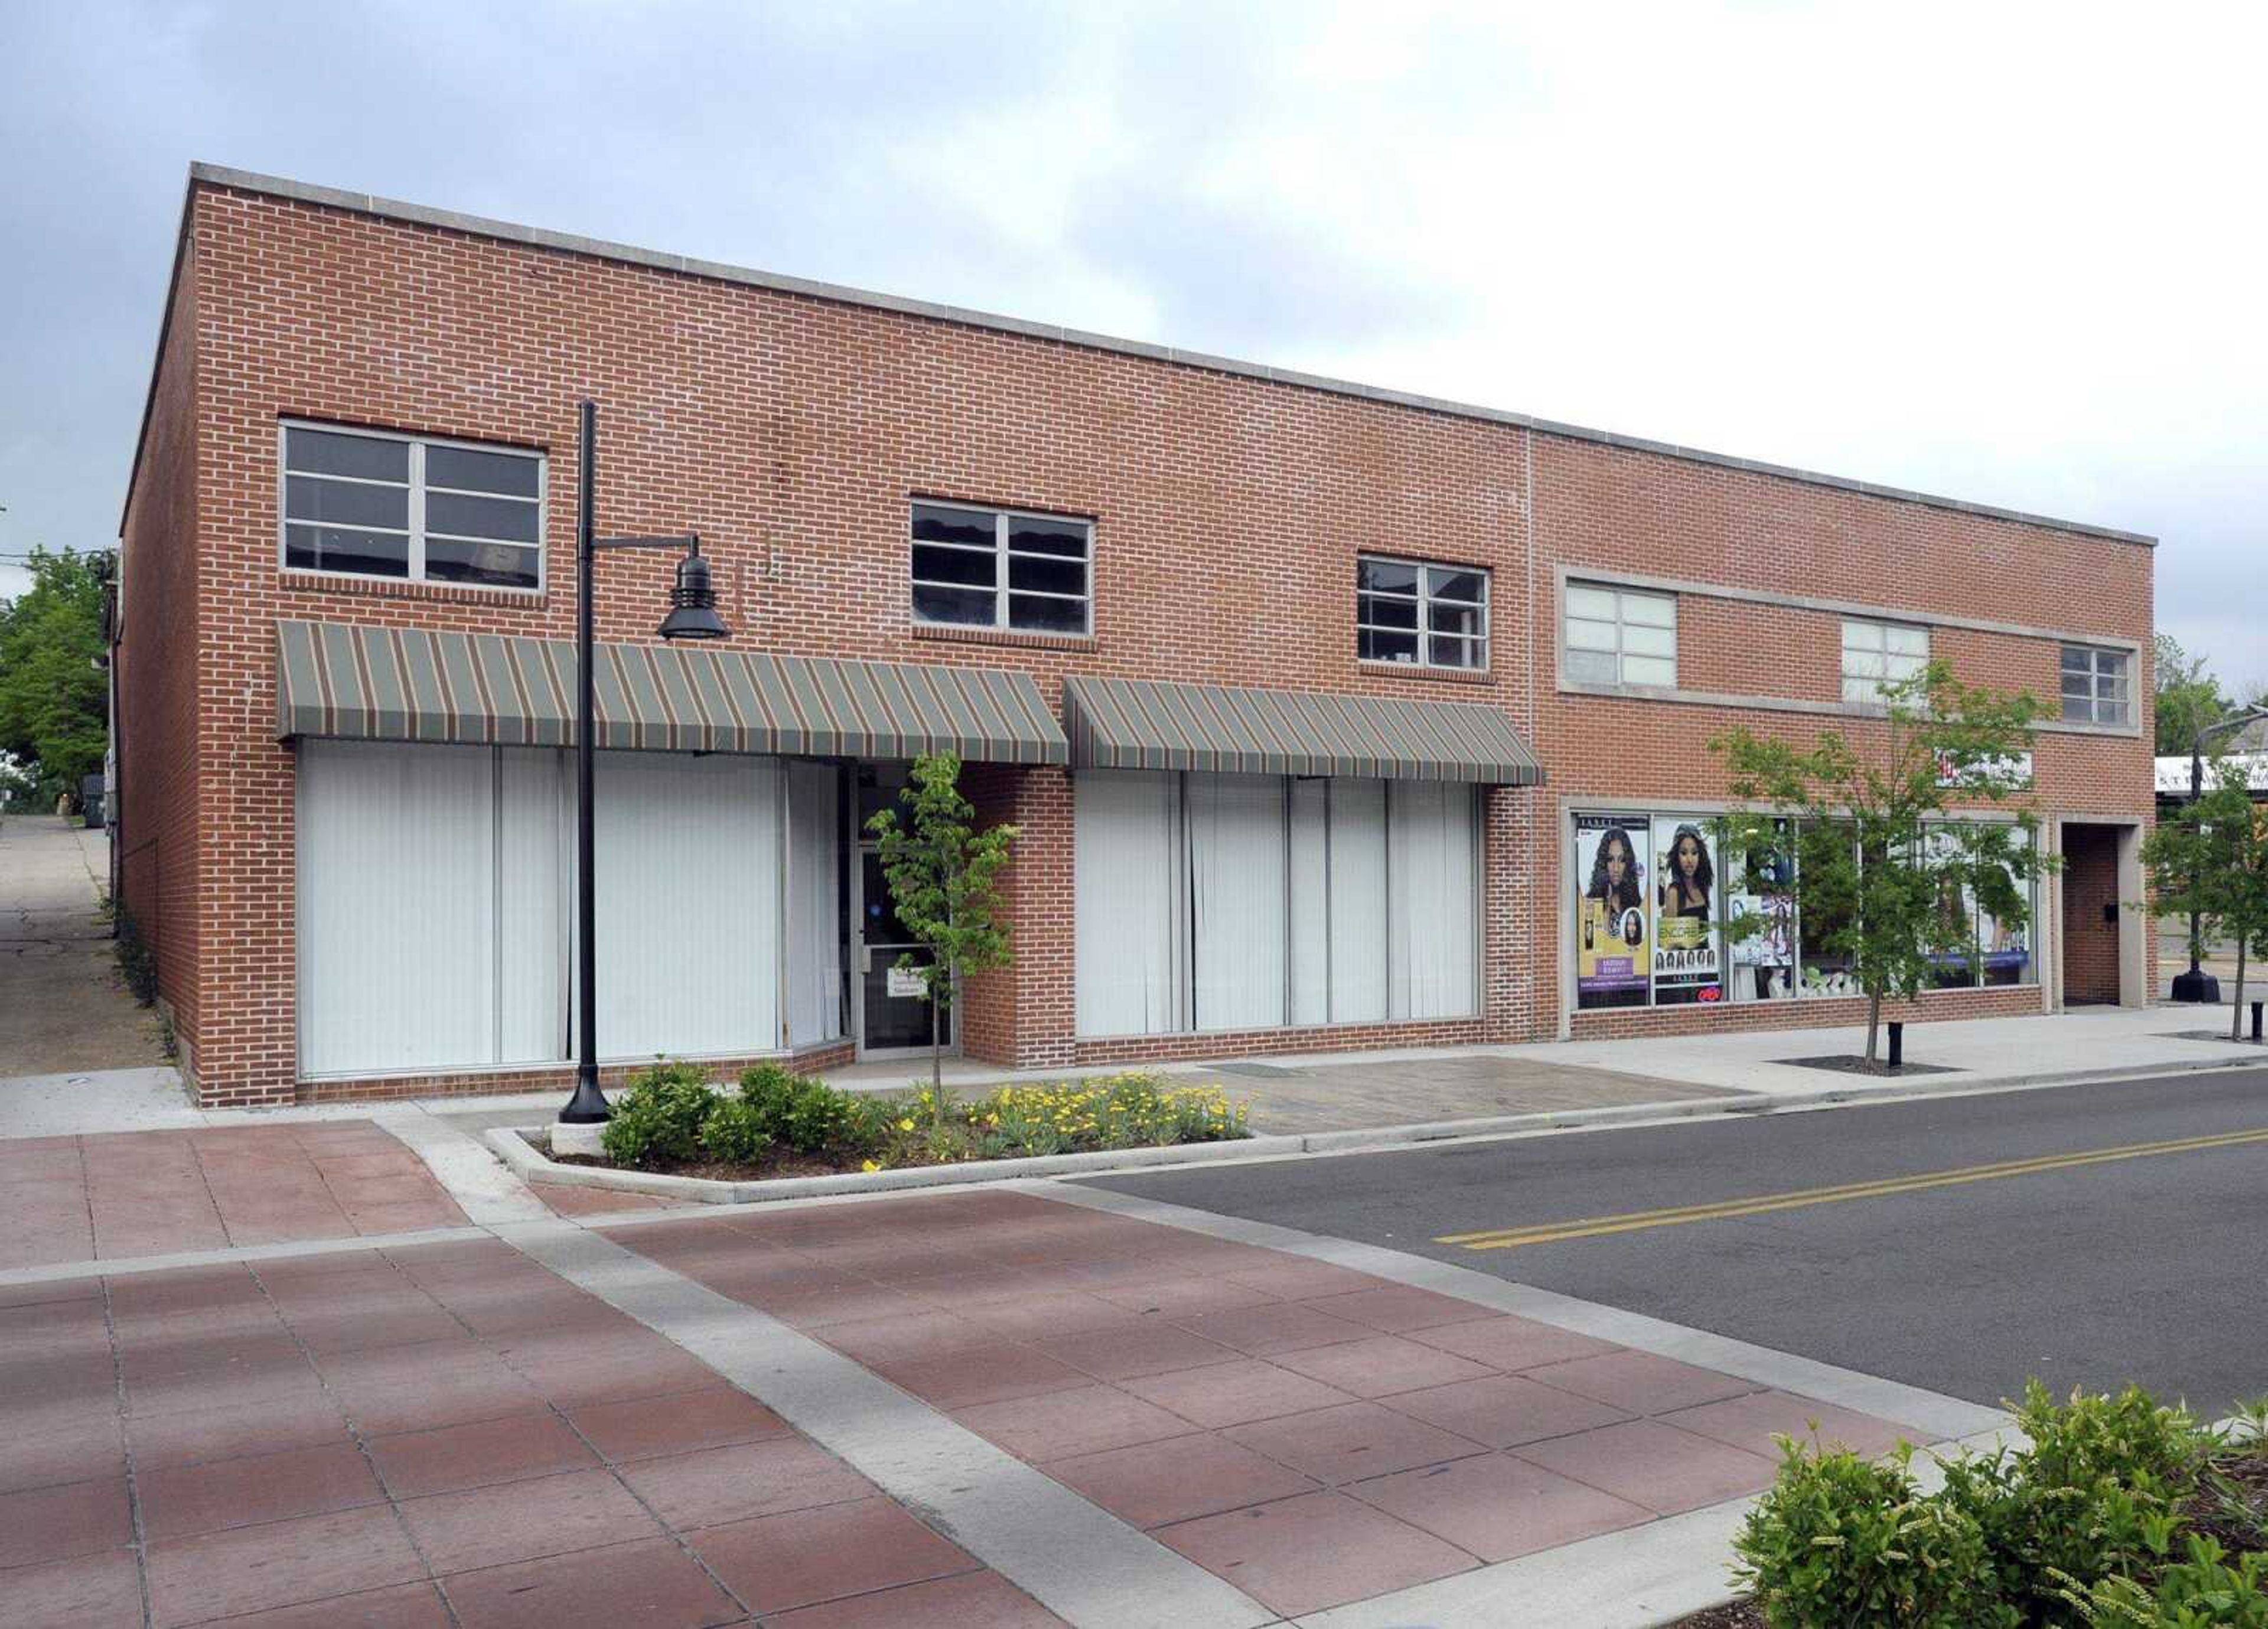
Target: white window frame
[415,533]
[1003,556]
[1873,636]
[1424,600]
[1624,598]
[2103,662]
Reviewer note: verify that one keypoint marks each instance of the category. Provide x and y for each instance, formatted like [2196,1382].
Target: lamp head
[693,603]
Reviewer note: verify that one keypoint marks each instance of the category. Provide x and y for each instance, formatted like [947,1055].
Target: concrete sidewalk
[64,1006]
[1985,1051]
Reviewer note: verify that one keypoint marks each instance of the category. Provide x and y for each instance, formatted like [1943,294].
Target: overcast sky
[2008,254]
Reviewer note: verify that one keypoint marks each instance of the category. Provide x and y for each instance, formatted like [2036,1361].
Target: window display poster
[1686,966]
[1762,884]
[1611,914]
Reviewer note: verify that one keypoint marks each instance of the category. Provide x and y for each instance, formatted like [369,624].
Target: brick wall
[161,792]
[791,430]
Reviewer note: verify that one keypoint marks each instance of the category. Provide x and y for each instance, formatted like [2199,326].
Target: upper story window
[365,504]
[2097,685]
[1000,568]
[1877,653]
[1620,636]
[1426,616]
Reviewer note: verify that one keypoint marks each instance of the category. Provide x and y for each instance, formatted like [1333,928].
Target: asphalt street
[2141,1264]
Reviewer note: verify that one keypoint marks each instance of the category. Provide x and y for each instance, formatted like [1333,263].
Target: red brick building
[1321,708]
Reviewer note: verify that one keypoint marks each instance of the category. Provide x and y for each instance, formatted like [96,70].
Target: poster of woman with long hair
[1686,966]
[1611,937]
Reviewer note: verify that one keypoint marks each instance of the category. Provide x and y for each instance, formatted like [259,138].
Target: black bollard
[2256,1020]
[1899,1042]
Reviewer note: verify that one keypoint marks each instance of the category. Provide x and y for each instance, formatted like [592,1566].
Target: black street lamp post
[2197,984]
[692,615]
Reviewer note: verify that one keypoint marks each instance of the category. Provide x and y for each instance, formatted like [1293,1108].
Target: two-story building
[1330,717]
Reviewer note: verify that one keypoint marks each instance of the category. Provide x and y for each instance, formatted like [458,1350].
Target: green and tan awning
[1133,723]
[414,684]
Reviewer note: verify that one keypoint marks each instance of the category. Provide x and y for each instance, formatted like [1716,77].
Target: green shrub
[804,1113]
[660,1114]
[1840,1541]
[736,1132]
[2203,1592]
[2093,1496]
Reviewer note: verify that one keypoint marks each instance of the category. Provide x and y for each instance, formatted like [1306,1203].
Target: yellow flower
[905,1125]
[871,1166]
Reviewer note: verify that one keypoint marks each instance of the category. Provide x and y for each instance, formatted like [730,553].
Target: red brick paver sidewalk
[443,1434]
[1311,1434]
[147,1193]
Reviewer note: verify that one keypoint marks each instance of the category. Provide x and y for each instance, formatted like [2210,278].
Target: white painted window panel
[535,858]
[814,935]
[1359,925]
[1311,903]
[1434,902]
[396,904]
[687,911]
[1649,670]
[1648,610]
[1237,858]
[1130,902]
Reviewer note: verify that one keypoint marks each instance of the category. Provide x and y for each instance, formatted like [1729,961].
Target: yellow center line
[1758,1205]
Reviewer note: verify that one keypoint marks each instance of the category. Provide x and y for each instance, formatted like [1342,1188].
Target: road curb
[512,1144]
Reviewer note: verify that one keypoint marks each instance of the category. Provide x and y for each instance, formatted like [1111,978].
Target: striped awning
[1131,724]
[417,685]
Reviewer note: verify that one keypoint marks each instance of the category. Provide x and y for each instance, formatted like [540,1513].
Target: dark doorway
[2090,916]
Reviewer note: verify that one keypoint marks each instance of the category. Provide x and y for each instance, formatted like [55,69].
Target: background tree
[54,708]
[2211,856]
[2188,697]
[1870,884]
[944,877]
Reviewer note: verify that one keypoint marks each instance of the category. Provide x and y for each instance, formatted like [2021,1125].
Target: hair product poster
[1762,885]
[1686,967]
[1612,948]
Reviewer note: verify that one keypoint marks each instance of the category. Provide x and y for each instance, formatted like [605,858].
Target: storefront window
[1611,945]
[1672,909]
[1763,884]
[1686,965]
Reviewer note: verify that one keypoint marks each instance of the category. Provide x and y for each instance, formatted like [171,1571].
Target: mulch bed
[1848,1063]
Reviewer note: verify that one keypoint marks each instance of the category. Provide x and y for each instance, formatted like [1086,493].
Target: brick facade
[791,428]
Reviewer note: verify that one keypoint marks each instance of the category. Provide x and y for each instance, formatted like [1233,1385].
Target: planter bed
[679,1135]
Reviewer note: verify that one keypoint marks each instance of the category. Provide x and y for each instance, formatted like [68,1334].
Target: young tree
[944,877]
[2187,697]
[1873,879]
[54,698]
[2211,857]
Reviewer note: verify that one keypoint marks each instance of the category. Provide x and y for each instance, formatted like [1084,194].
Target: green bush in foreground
[1841,1541]
[2079,1527]
[2201,1592]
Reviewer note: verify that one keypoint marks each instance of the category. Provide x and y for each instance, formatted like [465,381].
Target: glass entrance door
[893,1016]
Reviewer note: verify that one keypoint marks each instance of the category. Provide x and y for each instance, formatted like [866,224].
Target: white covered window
[2097,685]
[1000,568]
[1875,653]
[1620,636]
[364,504]
[1422,614]
[1243,902]
[437,906]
